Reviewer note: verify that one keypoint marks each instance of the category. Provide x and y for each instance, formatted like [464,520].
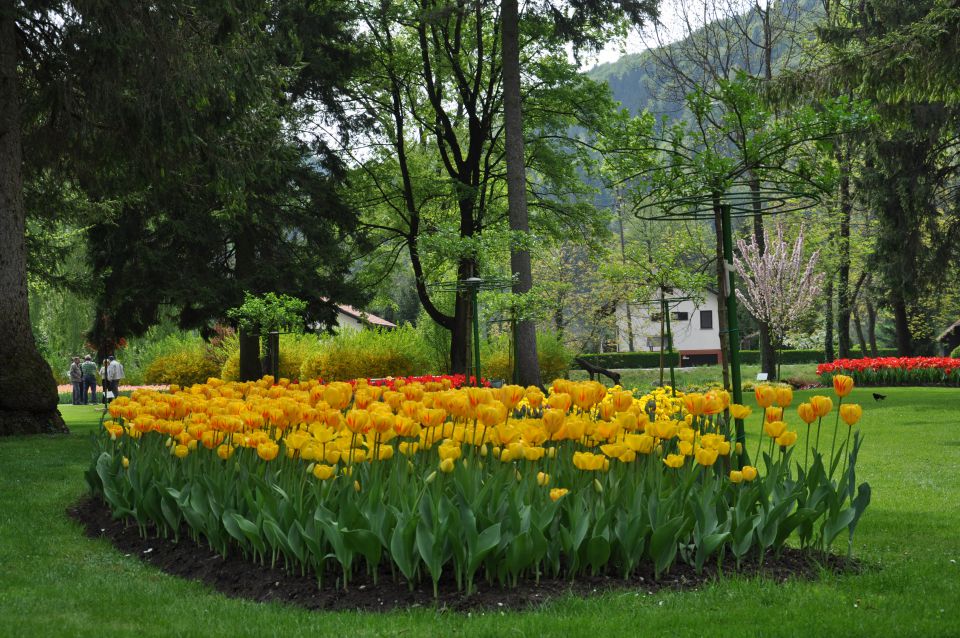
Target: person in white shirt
[114,374]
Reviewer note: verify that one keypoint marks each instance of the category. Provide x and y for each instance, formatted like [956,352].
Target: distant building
[350,318]
[696,333]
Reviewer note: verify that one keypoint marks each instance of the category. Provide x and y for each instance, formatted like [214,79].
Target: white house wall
[687,334]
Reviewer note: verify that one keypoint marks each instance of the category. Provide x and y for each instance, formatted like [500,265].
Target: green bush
[553,356]
[353,354]
[184,367]
[956,353]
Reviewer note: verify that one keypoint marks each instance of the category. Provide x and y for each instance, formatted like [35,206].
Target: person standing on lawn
[89,370]
[104,382]
[76,378]
[114,374]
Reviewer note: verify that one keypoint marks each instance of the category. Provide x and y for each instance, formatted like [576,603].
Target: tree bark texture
[28,391]
[828,321]
[526,338]
[902,326]
[844,301]
[244,264]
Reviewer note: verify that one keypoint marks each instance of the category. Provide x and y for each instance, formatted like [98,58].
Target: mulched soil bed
[240,578]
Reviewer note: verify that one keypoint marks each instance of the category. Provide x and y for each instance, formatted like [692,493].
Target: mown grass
[56,582]
[701,376]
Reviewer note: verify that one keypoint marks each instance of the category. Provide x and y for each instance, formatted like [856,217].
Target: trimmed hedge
[627,360]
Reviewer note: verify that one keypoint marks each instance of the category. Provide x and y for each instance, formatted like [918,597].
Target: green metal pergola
[666,304]
[473,286]
[738,200]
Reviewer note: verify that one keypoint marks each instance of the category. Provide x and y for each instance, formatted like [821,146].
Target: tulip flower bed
[895,370]
[502,485]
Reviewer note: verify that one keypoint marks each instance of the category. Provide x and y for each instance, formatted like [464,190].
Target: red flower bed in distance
[895,370]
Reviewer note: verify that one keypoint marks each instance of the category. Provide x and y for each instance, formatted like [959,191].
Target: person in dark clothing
[76,379]
[89,370]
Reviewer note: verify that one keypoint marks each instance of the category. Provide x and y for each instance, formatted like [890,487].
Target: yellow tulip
[674,460]
[694,403]
[774,428]
[324,472]
[765,395]
[268,450]
[553,420]
[807,413]
[706,456]
[821,405]
[685,447]
[738,411]
[736,476]
[181,451]
[446,465]
[784,396]
[641,443]
[787,439]
[543,479]
[558,492]
[842,385]
[749,472]
[850,413]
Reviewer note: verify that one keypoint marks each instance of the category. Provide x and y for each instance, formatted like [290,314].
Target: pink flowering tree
[779,286]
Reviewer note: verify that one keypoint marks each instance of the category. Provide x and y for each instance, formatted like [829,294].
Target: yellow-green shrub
[294,351]
[183,367]
[553,356]
[353,354]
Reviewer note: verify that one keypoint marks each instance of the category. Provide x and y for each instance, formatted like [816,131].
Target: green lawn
[54,581]
[645,379]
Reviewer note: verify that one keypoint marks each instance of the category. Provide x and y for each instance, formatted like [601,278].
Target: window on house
[656,317]
[680,316]
[706,320]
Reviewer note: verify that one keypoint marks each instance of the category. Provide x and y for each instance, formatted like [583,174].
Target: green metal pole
[673,379]
[476,334]
[733,325]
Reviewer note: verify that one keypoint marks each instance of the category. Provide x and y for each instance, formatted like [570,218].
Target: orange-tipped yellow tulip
[821,405]
[807,413]
[749,472]
[765,395]
[842,385]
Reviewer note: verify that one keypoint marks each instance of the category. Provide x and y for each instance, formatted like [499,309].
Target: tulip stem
[836,422]
[763,419]
[845,445]
[806,448]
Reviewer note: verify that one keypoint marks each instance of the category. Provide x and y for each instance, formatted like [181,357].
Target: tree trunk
[902,326]
[460,326]
[872,328]
[828,321]
[844,301]
[28,391]
[631,347]
[859,328]
[526,338]
[244,264]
